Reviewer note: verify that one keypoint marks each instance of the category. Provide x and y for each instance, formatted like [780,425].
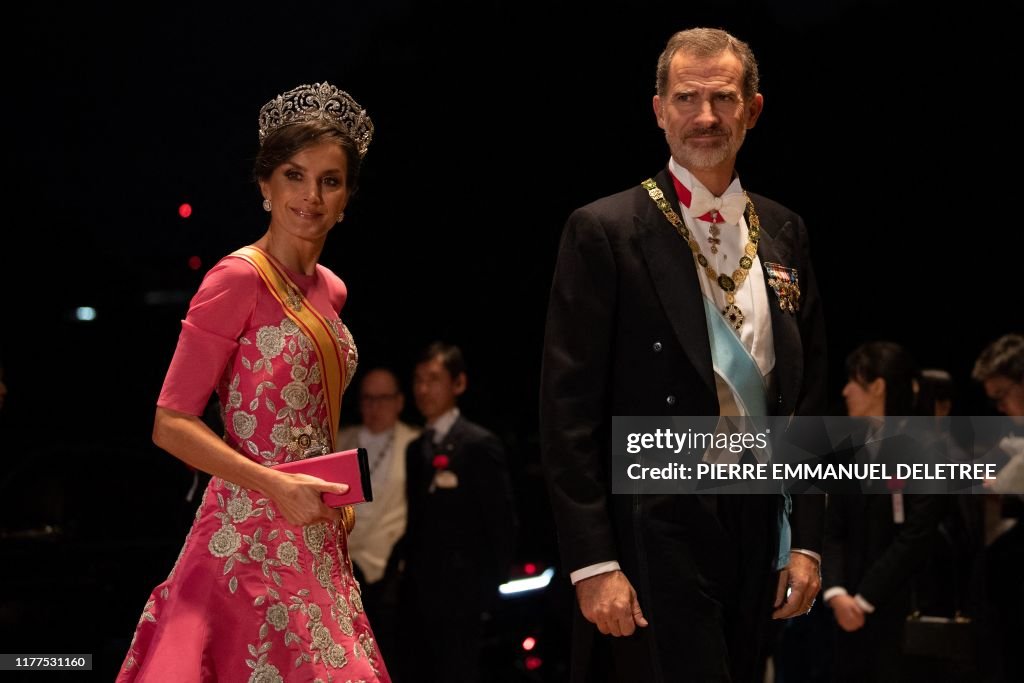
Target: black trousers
[703,569]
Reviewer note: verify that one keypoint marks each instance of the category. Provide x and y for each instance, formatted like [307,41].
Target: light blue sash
[739,370]
[735,364]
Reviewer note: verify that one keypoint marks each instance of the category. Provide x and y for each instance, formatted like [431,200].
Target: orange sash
[318,329]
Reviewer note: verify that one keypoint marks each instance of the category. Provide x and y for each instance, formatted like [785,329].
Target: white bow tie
[704,206]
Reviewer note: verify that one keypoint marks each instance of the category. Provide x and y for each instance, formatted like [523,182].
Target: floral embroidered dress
[252,597]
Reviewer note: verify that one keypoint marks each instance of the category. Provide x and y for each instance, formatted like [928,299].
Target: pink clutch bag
[346,467]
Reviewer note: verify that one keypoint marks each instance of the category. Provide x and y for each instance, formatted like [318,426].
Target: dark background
[883,127]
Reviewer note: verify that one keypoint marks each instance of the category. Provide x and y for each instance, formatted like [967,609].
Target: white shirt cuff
[593,570]
[863,604]
[809,553]
[833,592]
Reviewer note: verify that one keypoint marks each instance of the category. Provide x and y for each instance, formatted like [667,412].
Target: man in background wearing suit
[462,524]
[654,290]
[381,522]
[1000,370]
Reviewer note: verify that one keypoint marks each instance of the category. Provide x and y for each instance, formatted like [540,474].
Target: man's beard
[708,156]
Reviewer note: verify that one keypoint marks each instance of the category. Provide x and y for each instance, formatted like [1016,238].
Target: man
[681,587]
[462,524]
[1000,370]
[381,522]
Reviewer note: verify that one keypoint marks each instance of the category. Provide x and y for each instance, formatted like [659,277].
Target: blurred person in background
[382,521]
[1000,370]
[877,541]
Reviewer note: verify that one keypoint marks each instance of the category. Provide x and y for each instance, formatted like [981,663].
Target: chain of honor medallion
[730,284]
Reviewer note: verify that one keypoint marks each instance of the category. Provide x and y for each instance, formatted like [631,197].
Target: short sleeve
[219,314]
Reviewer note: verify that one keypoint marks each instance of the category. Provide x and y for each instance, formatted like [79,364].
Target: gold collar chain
[729,284]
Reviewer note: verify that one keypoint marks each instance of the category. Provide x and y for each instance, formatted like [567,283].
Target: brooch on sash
[307,442]
[786,285]
[294,299]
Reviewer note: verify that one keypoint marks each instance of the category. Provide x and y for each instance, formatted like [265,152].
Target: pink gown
[252,597]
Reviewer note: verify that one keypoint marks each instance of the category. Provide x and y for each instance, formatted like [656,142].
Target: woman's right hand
[297,497]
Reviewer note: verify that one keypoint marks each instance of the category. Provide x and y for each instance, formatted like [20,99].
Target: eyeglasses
[377,398]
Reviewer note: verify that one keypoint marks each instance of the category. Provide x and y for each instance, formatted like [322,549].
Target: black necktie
[428,445]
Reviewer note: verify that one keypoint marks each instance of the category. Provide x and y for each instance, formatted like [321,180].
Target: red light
[185,210]
[530,568]
[529,643]
[533,663]
[194,262]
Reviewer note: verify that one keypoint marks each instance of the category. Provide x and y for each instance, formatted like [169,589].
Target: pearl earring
[266,205]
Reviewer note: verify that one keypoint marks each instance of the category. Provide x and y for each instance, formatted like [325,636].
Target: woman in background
[877,541]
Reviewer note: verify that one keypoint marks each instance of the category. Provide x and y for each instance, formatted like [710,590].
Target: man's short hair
[387,371]
[450,355]
[1002,358]
[704,43]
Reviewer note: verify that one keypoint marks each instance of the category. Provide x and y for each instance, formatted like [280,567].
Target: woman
[877,542]
[263,587]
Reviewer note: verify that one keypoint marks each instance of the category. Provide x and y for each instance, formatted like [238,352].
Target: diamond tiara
[318,101]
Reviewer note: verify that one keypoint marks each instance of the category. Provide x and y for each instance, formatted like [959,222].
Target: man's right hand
[609,602]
